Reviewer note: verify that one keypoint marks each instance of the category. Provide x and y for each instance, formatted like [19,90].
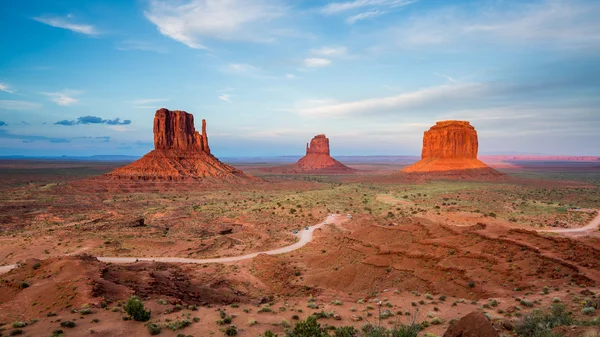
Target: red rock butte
[450,146]
[318,158]
[180,153]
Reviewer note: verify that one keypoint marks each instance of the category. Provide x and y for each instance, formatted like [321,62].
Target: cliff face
[174,130]
[180,153]
[318,145]
[450,139]
[450,147]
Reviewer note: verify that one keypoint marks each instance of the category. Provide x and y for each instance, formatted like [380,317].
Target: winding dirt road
[581,231]
[304,235]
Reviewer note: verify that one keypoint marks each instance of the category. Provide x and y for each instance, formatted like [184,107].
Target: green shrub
[153,329]
[135,308]
[308,328]
[16,332]
[230,331]
[67,324]
[345,331]
[588,311]
[540,324]
[19,324]
[268,333]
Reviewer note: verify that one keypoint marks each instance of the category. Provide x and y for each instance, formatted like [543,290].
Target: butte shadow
[450,150]
[317,160]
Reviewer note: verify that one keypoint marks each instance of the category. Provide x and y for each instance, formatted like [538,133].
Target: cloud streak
[192,21]
[18,105]
[93,120]
[402,101]
[64,23]
[6,88]
[63,98]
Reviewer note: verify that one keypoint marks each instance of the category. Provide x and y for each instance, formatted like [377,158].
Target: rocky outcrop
[474,324]
[318,158]
[450,146]
[180,153]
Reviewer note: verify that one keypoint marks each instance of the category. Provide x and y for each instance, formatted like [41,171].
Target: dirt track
[581,231]
[305,236]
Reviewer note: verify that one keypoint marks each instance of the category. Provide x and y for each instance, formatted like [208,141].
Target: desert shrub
[179,324]
[269,333]
[24,285]
[16,332]
[345,331]
[36,265]
[153,329]
[135,308]
[230,331]
[336,302]
[540,324]
[67,324]
[266,308]
[526,303]
[85,311]
[588,311]
[19,324]
[436,321]
[308,328]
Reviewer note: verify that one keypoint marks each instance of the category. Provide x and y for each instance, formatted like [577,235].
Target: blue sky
[85,77]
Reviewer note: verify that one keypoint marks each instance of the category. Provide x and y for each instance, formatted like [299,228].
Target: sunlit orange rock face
[450,146]
[318,158]
[180,153]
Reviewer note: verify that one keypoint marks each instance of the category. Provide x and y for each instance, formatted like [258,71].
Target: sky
[85,77]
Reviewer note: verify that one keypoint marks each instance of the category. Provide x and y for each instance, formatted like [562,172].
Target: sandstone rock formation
[450,146]
[180,153]
[474,324]
[317,158]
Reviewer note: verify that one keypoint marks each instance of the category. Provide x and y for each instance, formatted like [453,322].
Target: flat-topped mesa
[318,145]
[174,130]
[180,153]
[450,147]
[450,139]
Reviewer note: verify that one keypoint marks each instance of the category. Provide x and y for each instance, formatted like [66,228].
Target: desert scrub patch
[136,310]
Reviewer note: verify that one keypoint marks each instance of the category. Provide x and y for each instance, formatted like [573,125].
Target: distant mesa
[450,147]
[317,160]
[180,153]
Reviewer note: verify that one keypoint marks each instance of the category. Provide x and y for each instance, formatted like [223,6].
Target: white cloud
[363,16]
[225,98]
[148,101]
[316,62]
[340,7]
[330,51]
[414,99]
[18,105]
[290,76]
[191,21]
[6,88]
[59,22]
[63,97]
[563,23]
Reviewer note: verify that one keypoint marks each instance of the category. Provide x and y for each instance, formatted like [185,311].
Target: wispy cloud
[225,98]
[191,21]
[65,23]
[6,88]
[344,6]
[560,23]
[330,51]
[363,16]
[93,120]
[314,62]
[148,103]
[419,98]
[18,105]
[63,98]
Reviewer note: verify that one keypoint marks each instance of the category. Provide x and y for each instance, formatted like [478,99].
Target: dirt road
[581,231]
[305,236]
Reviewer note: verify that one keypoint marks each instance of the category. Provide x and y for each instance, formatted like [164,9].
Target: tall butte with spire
[318,158]
[450,147]
[180,153]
